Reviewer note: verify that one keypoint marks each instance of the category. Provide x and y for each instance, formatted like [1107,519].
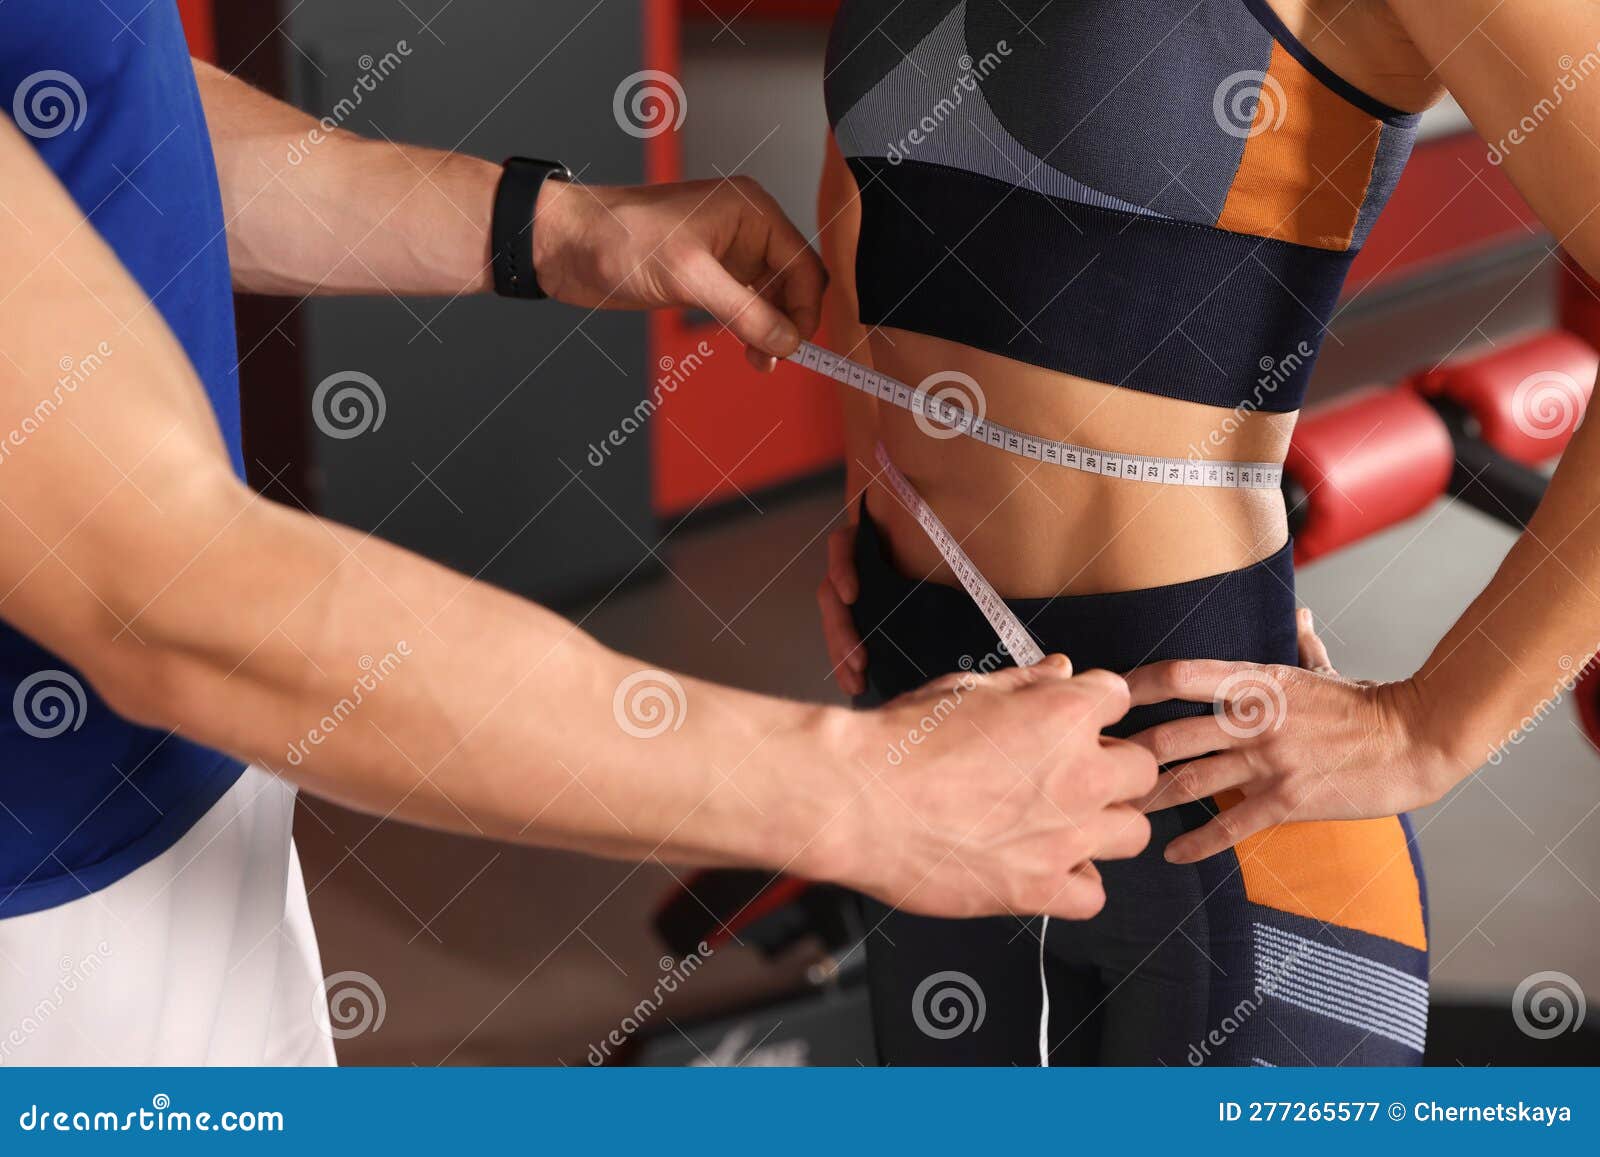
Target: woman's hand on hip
[1297,744]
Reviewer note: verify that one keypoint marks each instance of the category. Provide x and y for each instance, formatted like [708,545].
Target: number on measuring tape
[954,416]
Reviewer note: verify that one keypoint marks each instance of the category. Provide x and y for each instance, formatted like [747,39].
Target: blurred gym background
[696,544]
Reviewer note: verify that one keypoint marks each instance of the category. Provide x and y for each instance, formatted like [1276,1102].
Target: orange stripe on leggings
[1353,873]
[1306,168]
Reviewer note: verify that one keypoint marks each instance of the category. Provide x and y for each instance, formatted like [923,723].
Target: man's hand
[721,246]
[990,794]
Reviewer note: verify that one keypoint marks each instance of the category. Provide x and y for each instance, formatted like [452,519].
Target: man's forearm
[316,211]
[379,679]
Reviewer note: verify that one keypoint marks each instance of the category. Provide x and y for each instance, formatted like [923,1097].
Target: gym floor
[497,955]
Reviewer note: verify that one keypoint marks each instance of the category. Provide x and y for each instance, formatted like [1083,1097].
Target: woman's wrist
[1440,744]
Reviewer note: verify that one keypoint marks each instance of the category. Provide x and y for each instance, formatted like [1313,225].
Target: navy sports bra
[1156,196]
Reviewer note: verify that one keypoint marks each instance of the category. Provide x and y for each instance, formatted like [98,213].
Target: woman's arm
[1330,749]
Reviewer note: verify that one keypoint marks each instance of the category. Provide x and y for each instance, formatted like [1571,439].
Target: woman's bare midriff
[1037,530]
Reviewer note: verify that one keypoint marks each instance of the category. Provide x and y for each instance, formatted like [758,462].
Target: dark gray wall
[489,404]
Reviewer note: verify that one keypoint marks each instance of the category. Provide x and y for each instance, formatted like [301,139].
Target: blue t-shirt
[105,90]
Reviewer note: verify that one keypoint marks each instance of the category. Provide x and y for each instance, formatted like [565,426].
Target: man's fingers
[794,269]
[1240,821]
[842,563]
[1186,738]
[754,320]
[1118,833]
[1195,680]
[1130,771]
[1103,695]
[1081,895]
[1198,780]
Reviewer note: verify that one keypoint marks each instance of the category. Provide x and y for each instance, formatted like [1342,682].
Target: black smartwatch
[511,228]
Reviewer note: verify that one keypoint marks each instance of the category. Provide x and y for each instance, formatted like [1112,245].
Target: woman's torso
[1039,530]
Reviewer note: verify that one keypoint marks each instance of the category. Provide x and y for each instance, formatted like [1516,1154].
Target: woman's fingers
[1197,780]
[1313,655]
[1187,738]
[842,563]
[845,652]
[838,591]
[1255,814]
[1195,680]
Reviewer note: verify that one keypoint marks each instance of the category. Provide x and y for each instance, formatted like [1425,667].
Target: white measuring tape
[1014,637]
[1134,467]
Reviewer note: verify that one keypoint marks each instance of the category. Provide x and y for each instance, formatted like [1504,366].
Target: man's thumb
[753,319]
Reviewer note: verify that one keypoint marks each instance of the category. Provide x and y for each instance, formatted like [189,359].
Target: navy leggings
[1304,946]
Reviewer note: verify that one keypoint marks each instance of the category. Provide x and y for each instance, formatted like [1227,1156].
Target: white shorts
[203,956]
